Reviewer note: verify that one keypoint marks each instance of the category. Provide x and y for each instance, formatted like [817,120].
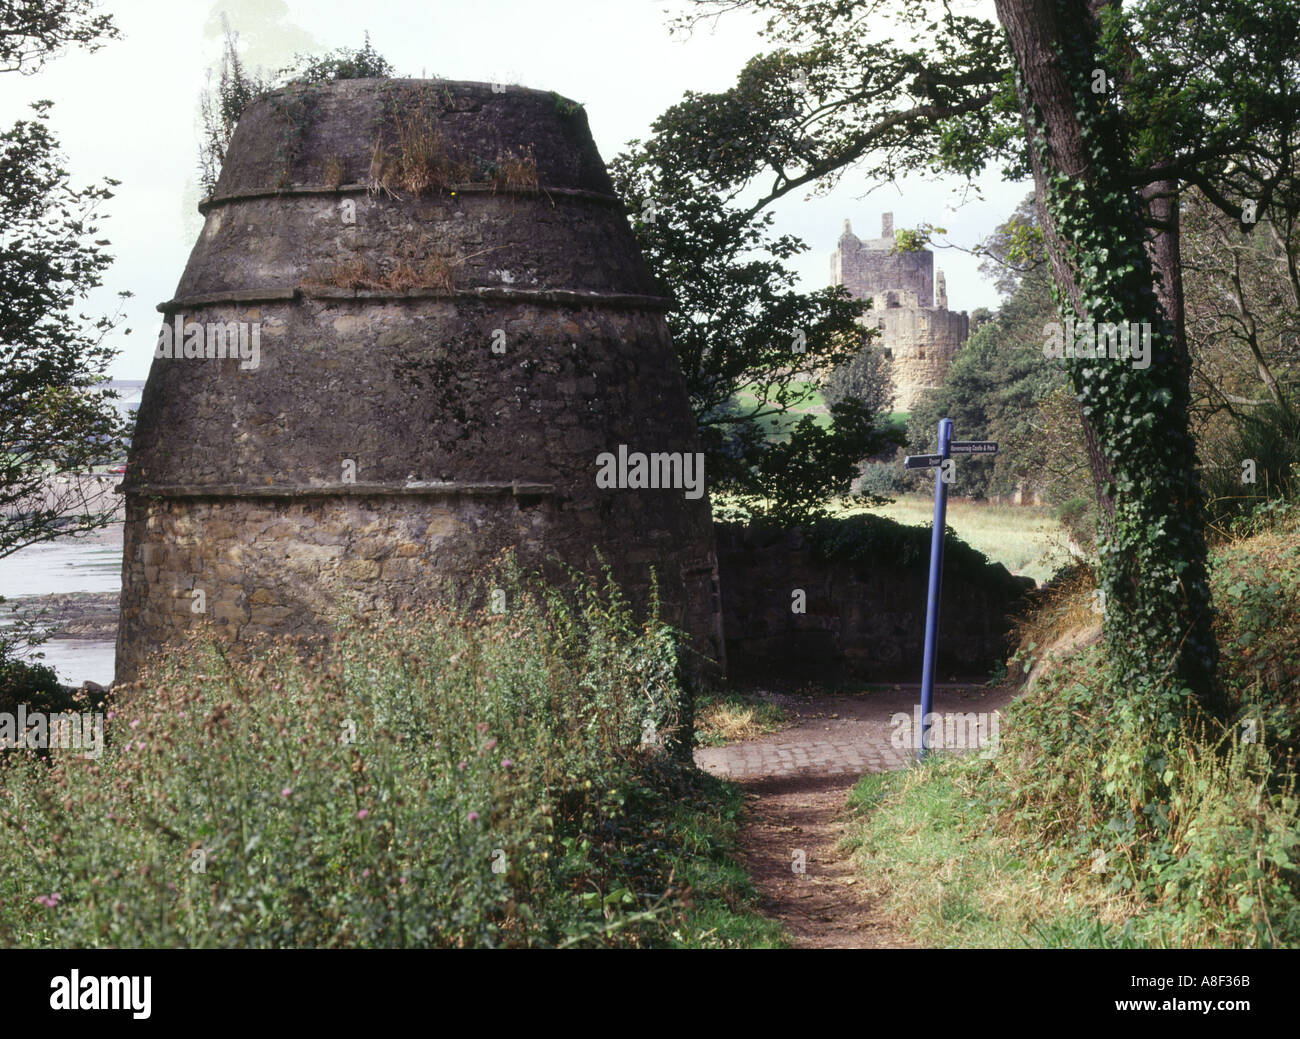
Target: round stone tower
[415,331]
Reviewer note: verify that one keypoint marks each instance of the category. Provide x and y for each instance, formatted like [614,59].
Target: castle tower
[909,305]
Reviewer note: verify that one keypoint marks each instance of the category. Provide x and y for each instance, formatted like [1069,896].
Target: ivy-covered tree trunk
[1152,570]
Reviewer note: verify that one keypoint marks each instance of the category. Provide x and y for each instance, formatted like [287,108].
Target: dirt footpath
[798,781]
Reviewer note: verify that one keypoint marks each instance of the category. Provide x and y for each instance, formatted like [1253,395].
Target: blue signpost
[941,463]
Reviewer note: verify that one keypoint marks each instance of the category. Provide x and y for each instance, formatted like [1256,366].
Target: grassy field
[808,402]
[1025,539]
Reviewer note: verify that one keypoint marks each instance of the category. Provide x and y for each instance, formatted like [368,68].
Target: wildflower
[490,744]
[461,765]
[286,792]
[49,901]
[507,764]
[481,727]
[362,813]
[473,817]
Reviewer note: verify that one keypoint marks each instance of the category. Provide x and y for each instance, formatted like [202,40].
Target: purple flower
[490,744]
[507,764]
[286,792]
[473,817]
[362,813]
[49,901]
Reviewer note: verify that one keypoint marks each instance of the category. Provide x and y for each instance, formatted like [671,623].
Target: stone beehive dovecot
[414,320]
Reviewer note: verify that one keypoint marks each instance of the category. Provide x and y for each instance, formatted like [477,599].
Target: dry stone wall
[860,617]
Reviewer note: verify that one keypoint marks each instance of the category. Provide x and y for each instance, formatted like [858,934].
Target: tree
[1134,101]
[34,31]
[55,416]
[752,348]
[1153,553]
[1243,335]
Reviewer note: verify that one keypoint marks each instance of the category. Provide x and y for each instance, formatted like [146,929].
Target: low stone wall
[864,590]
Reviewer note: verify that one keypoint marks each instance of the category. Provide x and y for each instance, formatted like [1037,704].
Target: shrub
[881,479]
[1269,439]
[439,778]
[1202,824]
[36,685]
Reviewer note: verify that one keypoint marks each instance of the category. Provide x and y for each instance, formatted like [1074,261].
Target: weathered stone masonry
[472,412]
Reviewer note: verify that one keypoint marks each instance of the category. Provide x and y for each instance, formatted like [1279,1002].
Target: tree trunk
[1152,556]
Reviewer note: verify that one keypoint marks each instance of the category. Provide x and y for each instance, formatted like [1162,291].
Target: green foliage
[1152,558]
[220,109]
[1267,437]
[747,341]
[1063,838]
[34,684]
[881,479]
[865,537]
[33,31]
[238,87]
[564,106]
[913,240]
[363,62]
[1000,386]
[443,779]
[55,415]
[864,378]
[1200,822]
[1257,588]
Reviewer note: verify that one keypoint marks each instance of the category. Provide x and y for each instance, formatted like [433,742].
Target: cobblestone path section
[797,782]
[838,735]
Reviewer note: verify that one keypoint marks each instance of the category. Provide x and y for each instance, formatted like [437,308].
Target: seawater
[60,567]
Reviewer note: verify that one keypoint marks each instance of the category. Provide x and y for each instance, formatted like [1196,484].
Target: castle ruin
[909,305]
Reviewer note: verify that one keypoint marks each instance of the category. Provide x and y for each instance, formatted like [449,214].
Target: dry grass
[433,273]
[334,172]
[421,163]
[516,172]
[356,274]
[732,718]
[1065,618]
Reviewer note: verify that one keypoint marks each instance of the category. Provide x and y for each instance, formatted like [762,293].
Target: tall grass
[441,778]
[1088,828]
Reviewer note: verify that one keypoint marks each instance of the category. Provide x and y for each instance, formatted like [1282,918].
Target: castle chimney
[886,225]
[848,229]
[940,291]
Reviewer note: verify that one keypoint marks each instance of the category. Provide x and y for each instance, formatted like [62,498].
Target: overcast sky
[130,111]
